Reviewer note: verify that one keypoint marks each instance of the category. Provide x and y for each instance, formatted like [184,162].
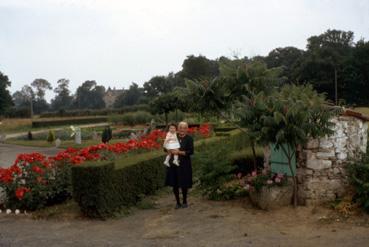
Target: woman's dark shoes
[184,205]
[178,206]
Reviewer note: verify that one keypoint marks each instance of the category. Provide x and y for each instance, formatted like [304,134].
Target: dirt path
[204,223]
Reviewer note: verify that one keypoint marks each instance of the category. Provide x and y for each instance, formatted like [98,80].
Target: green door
[279,161]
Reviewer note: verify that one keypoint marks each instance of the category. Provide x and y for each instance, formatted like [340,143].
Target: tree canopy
[5,98]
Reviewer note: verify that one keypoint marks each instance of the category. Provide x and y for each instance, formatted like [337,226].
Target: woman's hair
[185,124]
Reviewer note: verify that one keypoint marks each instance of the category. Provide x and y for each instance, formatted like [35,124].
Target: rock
[312,144]
[326,155]
[342,156]
[325,144]
[319,164]
[336,171]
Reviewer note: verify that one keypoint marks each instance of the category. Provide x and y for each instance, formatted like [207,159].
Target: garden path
[46,130]
[204,223]
[9,152]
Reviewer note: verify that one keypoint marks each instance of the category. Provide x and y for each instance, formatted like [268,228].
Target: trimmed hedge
[68,121]
[94,112]
[102,188]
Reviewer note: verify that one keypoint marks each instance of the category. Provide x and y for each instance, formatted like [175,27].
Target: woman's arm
[188,148]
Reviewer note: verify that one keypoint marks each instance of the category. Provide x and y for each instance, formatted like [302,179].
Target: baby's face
[172,129]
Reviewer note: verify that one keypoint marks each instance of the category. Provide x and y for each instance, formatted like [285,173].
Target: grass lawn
[14,125]
[65,144]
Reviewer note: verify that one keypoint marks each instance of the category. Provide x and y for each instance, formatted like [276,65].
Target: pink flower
[277,180]
[254,174]
[239,175]
[280,175]
[269,181]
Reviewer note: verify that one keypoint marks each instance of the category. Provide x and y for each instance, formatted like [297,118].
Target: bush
[51,137]
[68,121]
[101,188]
[244,160]
[213,175]
[17,113]
[106,135]
[132,118]
[33,182]
[90,112]
[359,178]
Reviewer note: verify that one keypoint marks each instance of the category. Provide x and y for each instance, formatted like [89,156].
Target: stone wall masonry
[321,162]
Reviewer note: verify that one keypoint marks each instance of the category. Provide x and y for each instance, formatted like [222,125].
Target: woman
[181,176]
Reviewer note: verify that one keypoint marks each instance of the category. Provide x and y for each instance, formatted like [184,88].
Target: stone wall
[321,162]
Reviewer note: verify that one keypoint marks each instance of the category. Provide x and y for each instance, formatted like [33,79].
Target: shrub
[14,112]
[68,121]
[132,118]
[244,160]
[359,178]
[51,136]
[215,170]
[106,135]
[33,182]
[92,112]
[100,189]
[255,181]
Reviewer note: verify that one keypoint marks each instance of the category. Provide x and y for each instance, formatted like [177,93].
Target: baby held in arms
[171,143]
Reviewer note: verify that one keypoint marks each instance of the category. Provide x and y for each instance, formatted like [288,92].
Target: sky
[117,42]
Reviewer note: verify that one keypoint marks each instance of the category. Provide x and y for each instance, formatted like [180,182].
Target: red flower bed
[33,178]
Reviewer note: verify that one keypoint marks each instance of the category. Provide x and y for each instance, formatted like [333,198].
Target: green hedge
[101,188]
[95,112]
[132,118]
[68,121]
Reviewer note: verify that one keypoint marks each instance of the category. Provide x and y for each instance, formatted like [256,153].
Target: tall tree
[63,99]
[24,99]
[5,98]
[40,86]
[356,75]
[90,96]
[132,96]
[199,67]
[324,61]
[157,86]
[286,57]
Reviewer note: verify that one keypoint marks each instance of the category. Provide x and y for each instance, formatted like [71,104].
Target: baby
[171,143]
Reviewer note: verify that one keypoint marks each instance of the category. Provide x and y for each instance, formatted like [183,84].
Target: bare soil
[204,223]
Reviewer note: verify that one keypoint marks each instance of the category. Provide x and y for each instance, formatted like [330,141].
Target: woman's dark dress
[181,176]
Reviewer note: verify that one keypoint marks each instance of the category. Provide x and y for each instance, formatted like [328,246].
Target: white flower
[8,211]
[17,211]
[1,211]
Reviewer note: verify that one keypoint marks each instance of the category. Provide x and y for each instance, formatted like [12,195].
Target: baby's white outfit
[170,143]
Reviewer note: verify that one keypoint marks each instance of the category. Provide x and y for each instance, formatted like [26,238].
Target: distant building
[111,95]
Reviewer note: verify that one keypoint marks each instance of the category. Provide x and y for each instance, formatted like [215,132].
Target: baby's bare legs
[176,160]
[167,158]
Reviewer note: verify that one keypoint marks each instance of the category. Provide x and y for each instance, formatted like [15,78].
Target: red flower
[20,191]
[37,169]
